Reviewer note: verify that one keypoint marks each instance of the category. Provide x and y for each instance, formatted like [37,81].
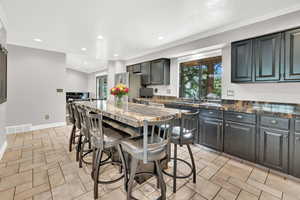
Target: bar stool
[74,120]
[151,147]
[184,135]
[84,137]
[71,119]
[103,138]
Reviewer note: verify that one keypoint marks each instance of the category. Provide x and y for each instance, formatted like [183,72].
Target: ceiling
[127,28]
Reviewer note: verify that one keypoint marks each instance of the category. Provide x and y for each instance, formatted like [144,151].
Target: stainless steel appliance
[146,92]
[133,81]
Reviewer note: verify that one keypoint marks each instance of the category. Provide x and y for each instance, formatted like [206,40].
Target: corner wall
[33,77]
[3,106]
[76,81]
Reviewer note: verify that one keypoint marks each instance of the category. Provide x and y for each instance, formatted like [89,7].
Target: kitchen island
[130,119]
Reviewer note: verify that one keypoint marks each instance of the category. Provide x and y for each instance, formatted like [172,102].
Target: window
[201,78]
[101,87]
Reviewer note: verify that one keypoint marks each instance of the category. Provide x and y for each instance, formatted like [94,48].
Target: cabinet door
[295,158]
[292,59]
[241,61]
[157,72]
[145,69]
[239,140]
[267,54]
[274,148]
[3,77]
[211,132]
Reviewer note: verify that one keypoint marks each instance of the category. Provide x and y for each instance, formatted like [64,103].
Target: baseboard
[3,148]
[44,126]
[28,127]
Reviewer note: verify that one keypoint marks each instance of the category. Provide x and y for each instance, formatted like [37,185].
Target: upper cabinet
[156,72]
[241,70]
[160,72]
[267,57]
[292,57]
[270,58]
[146,72]
[3,75]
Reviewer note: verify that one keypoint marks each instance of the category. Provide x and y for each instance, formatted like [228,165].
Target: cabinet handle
[274,121]
[211,112]
[226,125]
[239,116]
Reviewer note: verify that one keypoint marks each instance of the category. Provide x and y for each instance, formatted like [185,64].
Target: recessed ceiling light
[160,37]
[83,49]
[100,37]
[116,55]
[37,40]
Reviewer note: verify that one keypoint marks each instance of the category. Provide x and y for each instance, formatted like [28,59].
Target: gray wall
[278,92]
[76,81]
[33,77]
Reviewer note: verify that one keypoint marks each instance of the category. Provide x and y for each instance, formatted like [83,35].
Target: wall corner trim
[2,149]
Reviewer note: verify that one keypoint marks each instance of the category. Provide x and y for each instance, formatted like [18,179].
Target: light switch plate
[230,93]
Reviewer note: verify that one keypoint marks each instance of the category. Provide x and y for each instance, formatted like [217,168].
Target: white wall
[33,77]
[76,81]
[273,92]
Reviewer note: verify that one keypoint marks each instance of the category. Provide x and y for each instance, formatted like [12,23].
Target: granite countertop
[267,108]
[132,114]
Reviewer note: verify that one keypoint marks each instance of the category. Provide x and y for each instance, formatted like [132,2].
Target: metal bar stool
[103,138]
[184,135]
[84,137]
[74,120]
[152,147]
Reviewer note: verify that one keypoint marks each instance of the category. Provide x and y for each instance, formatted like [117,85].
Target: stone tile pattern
[38,166]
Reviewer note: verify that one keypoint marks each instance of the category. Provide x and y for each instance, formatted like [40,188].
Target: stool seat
[111,138]
[187,136]
[134,146]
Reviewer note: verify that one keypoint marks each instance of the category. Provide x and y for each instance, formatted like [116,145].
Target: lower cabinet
[295,158]
[211,133]
[273,148]
[239,140]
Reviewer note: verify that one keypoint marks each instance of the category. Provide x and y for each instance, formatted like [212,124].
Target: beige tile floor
[38,166]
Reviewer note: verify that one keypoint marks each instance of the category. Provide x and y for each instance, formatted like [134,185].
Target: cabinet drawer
[297,124]
[240,117]
[211,113]
[274,122]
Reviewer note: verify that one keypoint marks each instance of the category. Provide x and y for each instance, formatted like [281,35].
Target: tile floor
[38,166]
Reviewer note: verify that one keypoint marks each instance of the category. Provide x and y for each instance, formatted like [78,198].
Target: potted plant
[118,92]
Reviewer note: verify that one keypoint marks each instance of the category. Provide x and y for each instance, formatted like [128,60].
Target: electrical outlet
[230,93]
[47,117]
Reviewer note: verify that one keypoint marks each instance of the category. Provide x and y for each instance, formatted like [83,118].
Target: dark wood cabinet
[3,76]
[156,72]
[295,158]
[160,72]
[295,149]
[241,61]
[292,58]
[267,57]
[211,133]
[146,71]
[273,148]
[239,140]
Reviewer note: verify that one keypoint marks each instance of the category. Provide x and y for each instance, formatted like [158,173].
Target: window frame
[200,62]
